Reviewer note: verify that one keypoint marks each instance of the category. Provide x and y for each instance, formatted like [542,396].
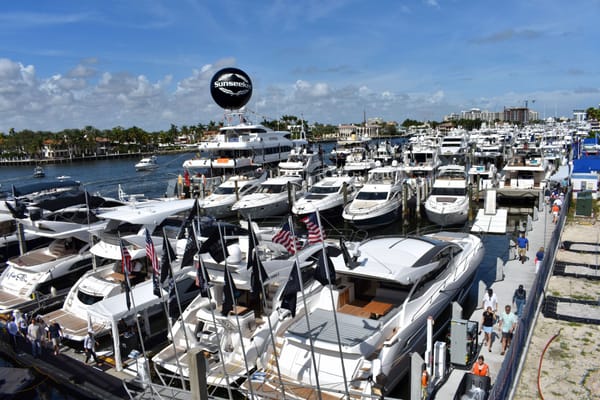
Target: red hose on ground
[541,359]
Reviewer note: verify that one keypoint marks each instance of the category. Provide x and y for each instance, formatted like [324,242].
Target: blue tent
[587,165]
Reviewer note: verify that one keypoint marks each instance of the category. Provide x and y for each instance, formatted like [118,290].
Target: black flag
[214,246]
[191,248]
[187,224]
[289,295]
[258,275]
[229,291]
[202,278]
[168,255]
[321,271]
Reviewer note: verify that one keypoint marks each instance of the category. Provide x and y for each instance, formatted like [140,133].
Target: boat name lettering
[18,277]
[244,85]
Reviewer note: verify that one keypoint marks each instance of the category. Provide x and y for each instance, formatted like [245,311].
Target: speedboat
[147,164]
[328,196]
[272,197]
[364,327]
[378,202]
[241,146]
[448,202]
[38,172]
[218,203]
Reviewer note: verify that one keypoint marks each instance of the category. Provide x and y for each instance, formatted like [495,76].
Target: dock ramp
[489,219]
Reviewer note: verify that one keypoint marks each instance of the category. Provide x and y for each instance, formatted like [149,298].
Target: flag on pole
[284,237]
[214,245]
[202,278]
[187,224]
[126,269]
[315,235]
[325,273]
[151,254]
[289,295]
[229,293]
[168,255]
[258,275]
[191,248]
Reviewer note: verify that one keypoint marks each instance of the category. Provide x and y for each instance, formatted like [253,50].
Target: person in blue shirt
[523,245]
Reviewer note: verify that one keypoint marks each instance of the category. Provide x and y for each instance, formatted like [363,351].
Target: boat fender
[376,367]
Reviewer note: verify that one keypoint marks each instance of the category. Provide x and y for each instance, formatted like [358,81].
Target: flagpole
[170,326]
[237,318]
[264,300]
[137,322]
[337,328]
[310,338]
[214,318]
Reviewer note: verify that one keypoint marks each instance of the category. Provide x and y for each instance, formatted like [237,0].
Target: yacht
[453,146]
[38,172]
[239,147]
[274,197]
[21,196]
[328,196]
[448,202]
[218,203]
[378,202]
[147,164]
[126,224]
[234,341]
[381,300]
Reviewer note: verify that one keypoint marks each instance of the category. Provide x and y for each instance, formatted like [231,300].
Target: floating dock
[490,219]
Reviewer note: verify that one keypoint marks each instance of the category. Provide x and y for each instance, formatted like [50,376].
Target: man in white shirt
[34,335]
[490,300]
[89,345]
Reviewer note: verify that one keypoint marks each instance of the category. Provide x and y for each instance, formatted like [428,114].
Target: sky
[107,63]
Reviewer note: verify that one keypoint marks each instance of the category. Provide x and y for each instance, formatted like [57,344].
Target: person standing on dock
[487,325]
[13,331]
[89,345]
[54,335]
[539,257]
[34,335]
[523,245]
[480,368]
[519,299]
[507,325]
[490,300]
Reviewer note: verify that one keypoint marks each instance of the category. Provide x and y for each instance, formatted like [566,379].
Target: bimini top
[149,212]
[400,259]
[37,187]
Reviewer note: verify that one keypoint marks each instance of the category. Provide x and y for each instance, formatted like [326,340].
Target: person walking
[555,212]
[54,335]
[490,300]
[519,299]
[480,368]
[34,335]
[523,245]
[487,325]
[89,345]
[13,331]
[539,257]
[507,325]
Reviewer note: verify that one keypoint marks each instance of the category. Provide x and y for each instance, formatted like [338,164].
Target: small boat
[329,195]
[272,197]
[147,164]
[38,172]
[218,204]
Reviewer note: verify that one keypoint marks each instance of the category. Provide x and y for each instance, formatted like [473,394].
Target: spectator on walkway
[43,329]
[487,325]
[34,335]
[54,335]
[523,247]
[89,345]
[13,331]
[480,368]
[539,257]
[21,320]
[555,211]
[507,325]
[490,300]
[519,299]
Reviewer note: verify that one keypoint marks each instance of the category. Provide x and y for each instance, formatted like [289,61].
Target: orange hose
[541,359]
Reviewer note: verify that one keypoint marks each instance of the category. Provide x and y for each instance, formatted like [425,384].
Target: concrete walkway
[514,274]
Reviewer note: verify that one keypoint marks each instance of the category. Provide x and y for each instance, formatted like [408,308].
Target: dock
[505,369]
[490,219]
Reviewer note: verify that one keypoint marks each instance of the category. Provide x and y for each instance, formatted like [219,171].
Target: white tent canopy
[561,174]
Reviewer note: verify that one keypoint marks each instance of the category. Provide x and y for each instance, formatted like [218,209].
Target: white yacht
[241,146]
[328,196]
[218,203]
[448,202]
[272,197]
[378,202]
[381,299]
[147,164]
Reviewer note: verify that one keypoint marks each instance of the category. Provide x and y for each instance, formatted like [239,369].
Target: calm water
[105,176]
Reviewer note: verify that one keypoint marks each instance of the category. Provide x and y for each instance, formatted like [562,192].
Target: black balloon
[231,88]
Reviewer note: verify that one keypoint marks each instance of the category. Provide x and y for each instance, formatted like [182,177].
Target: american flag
[284,238]
[314,231]
[125,259]
[151,254]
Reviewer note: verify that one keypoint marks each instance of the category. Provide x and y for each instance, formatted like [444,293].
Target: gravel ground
[571,365]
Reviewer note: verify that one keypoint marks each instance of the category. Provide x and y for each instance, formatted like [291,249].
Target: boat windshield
[372,195]
[88,299]
[324,189]
[224,190]
[272,189]
[449,191]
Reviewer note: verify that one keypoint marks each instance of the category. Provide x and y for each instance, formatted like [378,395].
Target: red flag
[284,238]
[314,231]
[125,259]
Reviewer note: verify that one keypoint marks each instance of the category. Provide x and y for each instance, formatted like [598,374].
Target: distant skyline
[69,64]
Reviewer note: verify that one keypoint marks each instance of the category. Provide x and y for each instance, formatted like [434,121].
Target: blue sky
[68,64]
